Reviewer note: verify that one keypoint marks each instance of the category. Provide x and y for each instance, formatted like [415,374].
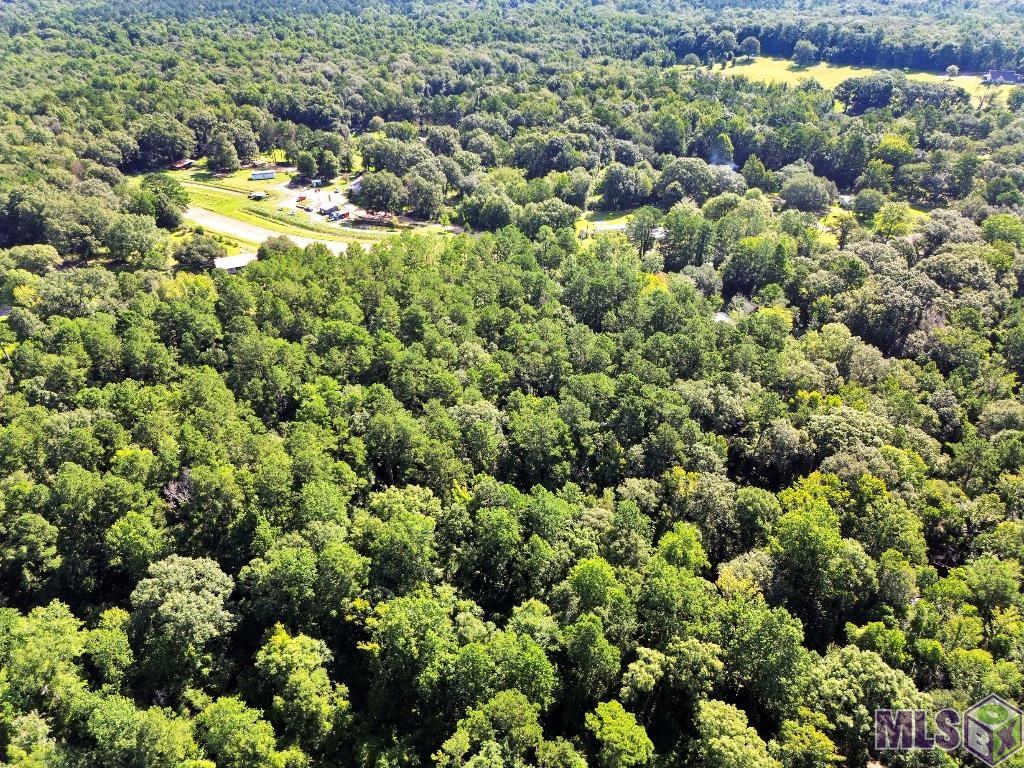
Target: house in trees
[1001,77]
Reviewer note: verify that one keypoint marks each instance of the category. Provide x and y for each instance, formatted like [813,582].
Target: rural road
[254,233]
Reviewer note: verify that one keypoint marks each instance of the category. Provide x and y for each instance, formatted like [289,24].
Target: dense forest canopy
[702,490]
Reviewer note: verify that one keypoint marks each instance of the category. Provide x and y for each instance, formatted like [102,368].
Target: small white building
[231,263]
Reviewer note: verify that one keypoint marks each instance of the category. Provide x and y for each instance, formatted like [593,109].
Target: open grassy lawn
[238,181]
[233,245]
[768,69]
[357,161]
[603,221]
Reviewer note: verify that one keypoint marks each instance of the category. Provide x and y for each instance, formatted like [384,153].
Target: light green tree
[623,741]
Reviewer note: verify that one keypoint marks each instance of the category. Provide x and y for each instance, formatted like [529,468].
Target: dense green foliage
[703,493]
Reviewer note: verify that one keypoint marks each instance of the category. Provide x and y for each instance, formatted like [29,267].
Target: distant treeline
[863,44]
[983,35]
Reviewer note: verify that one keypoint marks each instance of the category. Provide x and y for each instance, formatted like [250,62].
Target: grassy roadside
[233,245]
[346,234]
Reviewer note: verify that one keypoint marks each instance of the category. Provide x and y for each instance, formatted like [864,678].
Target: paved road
[254,233]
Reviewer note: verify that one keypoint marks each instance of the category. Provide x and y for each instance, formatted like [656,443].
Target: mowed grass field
[768,69]
[604,221]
